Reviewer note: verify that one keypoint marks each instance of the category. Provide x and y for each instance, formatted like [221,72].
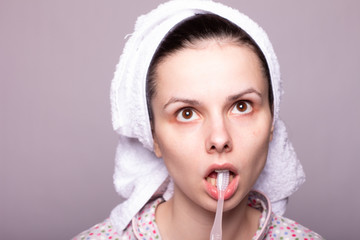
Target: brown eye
[242,107]
[187,115]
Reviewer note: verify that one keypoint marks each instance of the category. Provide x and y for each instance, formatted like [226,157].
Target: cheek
[255,133]
[180,162]
[182,151]
[261,131]
[254,162]
[177,151]
[254,145]
[261,136]
[175,140]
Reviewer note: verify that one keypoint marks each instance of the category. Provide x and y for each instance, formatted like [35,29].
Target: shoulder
[103,230]
[141,226]
[284,228]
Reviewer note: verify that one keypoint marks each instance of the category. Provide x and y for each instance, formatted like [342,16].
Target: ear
[271,132]
[157,150]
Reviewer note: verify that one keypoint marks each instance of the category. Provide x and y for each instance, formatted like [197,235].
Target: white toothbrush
[222,182]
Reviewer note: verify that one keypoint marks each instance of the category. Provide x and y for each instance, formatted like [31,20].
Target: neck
[181,218]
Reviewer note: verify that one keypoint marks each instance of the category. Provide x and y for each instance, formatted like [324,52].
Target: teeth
[212,181]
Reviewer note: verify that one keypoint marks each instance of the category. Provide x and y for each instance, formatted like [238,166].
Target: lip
[225,166]
[231,188]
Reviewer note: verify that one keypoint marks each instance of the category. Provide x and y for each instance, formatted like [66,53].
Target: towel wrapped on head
[139,174]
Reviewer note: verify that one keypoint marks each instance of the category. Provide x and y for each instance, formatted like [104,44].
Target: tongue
[213,175]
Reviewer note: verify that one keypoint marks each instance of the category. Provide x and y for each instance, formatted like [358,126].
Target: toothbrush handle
[216,231]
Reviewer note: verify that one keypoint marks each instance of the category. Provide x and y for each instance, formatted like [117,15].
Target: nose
[218,137]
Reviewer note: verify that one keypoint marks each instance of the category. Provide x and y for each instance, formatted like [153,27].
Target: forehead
[210,63]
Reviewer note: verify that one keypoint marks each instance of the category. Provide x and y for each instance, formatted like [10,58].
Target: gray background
[57,146]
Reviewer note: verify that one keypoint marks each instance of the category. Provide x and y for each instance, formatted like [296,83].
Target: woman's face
[211,111]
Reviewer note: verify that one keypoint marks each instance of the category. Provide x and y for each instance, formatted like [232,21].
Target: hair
[193,30]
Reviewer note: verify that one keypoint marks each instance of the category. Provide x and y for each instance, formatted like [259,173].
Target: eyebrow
[197,103]
[239,95]
[183,100]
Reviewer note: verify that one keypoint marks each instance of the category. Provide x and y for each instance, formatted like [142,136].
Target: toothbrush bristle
[222,180]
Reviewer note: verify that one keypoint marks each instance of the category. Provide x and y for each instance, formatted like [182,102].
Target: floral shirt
[143,225]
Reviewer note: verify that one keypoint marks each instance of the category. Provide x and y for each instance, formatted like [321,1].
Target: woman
[197,90]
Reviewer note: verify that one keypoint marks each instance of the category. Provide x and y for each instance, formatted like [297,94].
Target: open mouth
[211,178]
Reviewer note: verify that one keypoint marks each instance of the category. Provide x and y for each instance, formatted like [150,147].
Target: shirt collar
[145,227]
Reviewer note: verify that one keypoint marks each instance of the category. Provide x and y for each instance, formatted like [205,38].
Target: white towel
[138,173]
